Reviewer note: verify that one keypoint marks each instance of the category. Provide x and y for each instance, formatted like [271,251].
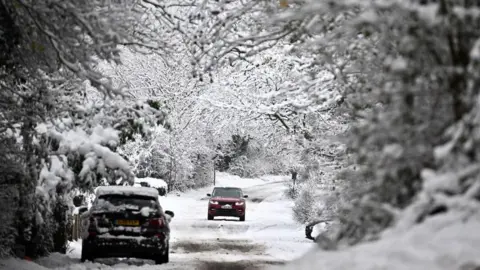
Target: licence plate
[227,206]
[126,222]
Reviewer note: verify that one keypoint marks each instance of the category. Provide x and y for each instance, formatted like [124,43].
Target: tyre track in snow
[219,244]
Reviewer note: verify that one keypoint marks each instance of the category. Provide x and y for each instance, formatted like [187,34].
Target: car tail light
[156,223]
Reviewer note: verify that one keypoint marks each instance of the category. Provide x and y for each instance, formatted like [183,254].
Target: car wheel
[210,217]
[163,258]
[242,218]
[86,254]
[166,255]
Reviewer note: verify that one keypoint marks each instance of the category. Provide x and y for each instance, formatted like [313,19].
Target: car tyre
[210,217]
[163,258]
[166,256]
[85,254]
[242,218]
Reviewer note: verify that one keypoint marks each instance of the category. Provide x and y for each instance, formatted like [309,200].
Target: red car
[227,202]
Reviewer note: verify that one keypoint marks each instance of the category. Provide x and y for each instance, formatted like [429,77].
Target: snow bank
[56,260]
[18,264]
[275,228]
[126,190]
[441,242]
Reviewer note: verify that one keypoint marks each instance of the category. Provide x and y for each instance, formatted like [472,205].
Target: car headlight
[239,203]
[213,202]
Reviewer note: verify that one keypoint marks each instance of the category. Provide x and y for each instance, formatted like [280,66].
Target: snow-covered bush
[203,171]
[238,167]
[257,161]
[292,191]
[306,206]
[233,152]
[321,156]
[159,157]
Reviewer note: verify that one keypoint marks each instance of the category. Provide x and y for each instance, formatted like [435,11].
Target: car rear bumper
[141,247]
[239,212]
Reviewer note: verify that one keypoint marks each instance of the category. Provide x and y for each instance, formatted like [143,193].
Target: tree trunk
[26,210]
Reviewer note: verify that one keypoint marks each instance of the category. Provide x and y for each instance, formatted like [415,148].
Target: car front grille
[224,203]
[226,212]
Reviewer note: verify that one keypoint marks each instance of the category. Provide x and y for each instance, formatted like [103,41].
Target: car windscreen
[115,202]
[227,192]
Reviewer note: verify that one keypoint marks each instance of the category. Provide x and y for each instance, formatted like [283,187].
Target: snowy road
[269,236]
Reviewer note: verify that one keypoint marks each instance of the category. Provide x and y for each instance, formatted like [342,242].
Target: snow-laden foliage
[427,85]
[295,40]
[49,51]
[403,69]
[260,92]
[306,207]
[293,69]
[77,34]
[87,136]
[178,151]
[205,120]
[285,79]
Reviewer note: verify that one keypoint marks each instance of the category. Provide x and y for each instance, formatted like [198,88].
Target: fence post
[75,228]
[79,226]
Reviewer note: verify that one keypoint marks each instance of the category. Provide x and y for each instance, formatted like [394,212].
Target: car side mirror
[170,213]
[245,196]
[162,191]
[209,195]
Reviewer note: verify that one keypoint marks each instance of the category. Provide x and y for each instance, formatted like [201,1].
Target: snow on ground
[20,265]
[441,242]
[269,236]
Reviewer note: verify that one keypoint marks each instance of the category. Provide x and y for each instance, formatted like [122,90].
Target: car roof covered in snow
[152,182]
[126,190]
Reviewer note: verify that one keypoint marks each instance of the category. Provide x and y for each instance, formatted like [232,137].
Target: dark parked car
[126,222]
[227,201]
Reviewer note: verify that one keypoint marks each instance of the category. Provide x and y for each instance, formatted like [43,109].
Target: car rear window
[122,202]
[224,192]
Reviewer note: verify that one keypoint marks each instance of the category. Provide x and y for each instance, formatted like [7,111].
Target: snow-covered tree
[403,71]
[49,49]
[427,85]
[178,150]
